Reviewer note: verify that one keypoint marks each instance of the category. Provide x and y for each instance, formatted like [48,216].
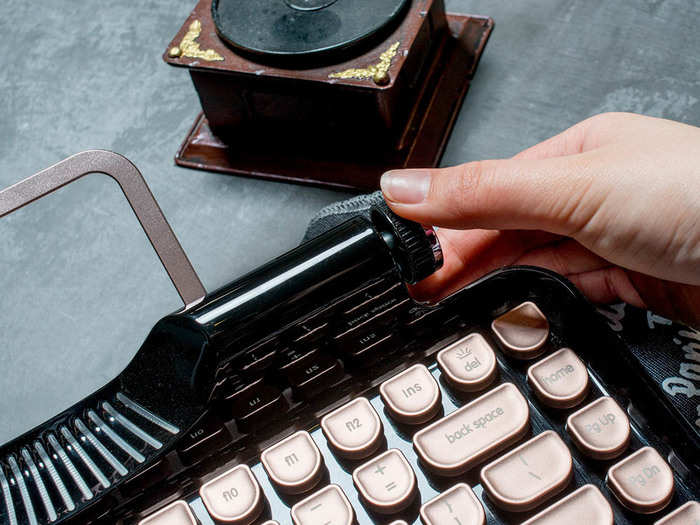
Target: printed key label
[412,390]
[645,474]
[291,459]
[558,375]
[478,424]
[598,425]
[353,424]
[230,494]
[472,365]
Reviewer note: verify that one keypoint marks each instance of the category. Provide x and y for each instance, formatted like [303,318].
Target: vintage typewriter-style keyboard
[489,410]
[316,391]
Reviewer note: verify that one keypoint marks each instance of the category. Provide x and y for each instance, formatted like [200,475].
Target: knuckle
[470,186]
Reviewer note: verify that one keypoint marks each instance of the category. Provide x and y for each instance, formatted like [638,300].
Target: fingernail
[405,186]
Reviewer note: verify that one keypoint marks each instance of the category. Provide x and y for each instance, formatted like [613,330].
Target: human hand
[612,203]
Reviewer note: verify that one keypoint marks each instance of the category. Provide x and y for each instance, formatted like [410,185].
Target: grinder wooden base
[349,167]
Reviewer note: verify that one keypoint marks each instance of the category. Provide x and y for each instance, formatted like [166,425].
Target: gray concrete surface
[79,285]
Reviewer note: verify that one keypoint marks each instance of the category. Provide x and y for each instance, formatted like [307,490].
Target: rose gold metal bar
[140,198]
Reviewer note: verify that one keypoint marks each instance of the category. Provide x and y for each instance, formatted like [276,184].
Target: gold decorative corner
[189,47]
[378,70]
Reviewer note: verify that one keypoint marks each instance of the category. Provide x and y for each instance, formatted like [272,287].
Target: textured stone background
[79,284]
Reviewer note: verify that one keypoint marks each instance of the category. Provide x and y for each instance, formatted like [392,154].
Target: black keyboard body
[276,350]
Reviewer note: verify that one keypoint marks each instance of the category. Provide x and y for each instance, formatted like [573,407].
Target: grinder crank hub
[330,93]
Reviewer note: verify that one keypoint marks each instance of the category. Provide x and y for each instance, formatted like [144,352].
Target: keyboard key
[293,357]
[585,505]
[469,364]
[354,430]
[364,295]
[259,357]
[386,483]
[474,432]
[643,481]
[413,396]
[205,438]
[177,513]
[255,403]
[560,380]
[455,506]
[294,464]
[328,506]
[233,497]
[380,311]
[309,332]
[601,429]
[420,320]
[369,344]
[522,331]
[398,522]
[271,522]
[314,375]
[688,514]
[528,475]
[375,300]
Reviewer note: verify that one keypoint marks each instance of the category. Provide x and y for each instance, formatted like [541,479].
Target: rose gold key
[585,505]
[233,497]
[601,429]
[474,432]
[469,364]
[560,380]
[530,474]
[413,396]
[353,430]
[522,331]
[688,514]
[271,522]
[386,483]
[328,506]
[177,513]
[643,482]
[294,464]
[456,506]
[398,522]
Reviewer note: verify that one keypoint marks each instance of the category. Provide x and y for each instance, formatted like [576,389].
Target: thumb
[544,194]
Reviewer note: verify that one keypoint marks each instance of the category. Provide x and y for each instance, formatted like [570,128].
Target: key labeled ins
[294,464]
[530,474]
[412,397]
[560,380]
[469,364]
[386,483]
[643,481]
[601,429]
[233,497]
[522,331]
[456,505]
[328,506]
[475,432]
[354,430]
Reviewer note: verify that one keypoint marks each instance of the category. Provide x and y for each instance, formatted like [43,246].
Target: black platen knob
[415,247]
